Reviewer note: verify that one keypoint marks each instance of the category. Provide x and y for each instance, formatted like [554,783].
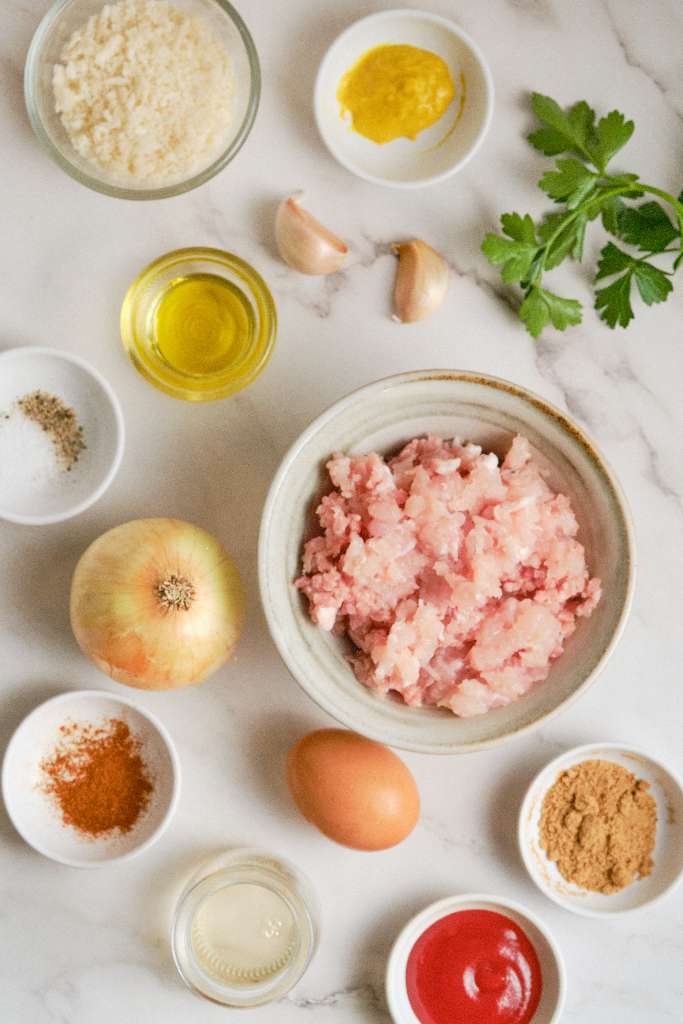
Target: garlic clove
[421,281]
[304,243]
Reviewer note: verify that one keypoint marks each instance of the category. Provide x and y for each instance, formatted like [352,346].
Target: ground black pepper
[59,421]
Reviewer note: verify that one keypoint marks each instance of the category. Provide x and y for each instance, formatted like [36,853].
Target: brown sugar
[97,777]
[598,823]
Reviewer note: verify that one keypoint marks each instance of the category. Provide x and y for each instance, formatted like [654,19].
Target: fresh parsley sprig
[525,250]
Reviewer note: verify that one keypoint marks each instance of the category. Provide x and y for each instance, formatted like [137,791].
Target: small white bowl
[33,813]
[667,790]
[28,496]
[550,959]
[437,152]
[383,417]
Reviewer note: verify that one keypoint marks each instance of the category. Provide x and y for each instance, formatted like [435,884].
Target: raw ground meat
[457,579]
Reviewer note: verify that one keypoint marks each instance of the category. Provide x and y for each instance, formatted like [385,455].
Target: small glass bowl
[137,324]
[280,881]
[62,19]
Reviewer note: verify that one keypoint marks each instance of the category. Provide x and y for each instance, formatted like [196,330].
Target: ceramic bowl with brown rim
[382,417]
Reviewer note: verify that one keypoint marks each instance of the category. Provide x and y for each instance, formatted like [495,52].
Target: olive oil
[203,325]
[199,324]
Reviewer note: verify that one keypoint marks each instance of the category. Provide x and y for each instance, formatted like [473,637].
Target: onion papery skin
[122,625]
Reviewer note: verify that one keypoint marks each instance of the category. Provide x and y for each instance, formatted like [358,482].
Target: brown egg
[354,790]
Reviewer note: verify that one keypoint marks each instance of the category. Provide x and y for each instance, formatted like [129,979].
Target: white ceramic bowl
[437,152]
[383,416]
[667,790]
[33,814]
[550,959]
[27,496]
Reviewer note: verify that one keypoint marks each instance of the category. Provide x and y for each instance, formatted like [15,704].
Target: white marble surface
[92,948]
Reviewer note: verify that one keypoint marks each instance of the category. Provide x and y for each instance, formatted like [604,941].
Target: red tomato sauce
[474,967]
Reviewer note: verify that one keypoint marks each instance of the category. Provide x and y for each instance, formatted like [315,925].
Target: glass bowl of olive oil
[199,324]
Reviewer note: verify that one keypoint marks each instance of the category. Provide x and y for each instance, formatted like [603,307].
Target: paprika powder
[97,776]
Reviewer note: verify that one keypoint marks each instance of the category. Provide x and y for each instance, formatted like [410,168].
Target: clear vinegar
[243,934]
[245,928]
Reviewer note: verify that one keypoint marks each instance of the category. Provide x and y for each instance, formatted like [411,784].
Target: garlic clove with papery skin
[421,281]
[304,243]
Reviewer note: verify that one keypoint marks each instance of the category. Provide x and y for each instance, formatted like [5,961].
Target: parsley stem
[599,198]
[619,190]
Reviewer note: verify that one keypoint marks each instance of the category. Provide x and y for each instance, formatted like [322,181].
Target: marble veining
[666,79]
[92,947]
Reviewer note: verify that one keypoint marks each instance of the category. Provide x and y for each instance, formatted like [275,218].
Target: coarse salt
[27,455]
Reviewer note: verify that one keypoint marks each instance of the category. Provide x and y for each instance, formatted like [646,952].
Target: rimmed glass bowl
[240,910]
[62,19]
[138,324]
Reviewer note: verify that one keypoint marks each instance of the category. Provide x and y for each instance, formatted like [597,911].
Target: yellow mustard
[395,91]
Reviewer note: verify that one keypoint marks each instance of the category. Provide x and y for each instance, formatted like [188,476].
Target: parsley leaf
[570,183]
[516,252]
[614,302]
[576,132]
[653,284]
[563,312]
[515,258]
[561,132]
[679,258]
[611,212]
[580,184]
[647,227]
[520,228]
[612,260]
[541,307]
[626,179]
[611,134]
[534,312]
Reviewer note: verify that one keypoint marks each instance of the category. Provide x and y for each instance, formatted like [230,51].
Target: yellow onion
[157,604]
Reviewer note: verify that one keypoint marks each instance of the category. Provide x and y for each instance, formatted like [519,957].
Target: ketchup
[474,967]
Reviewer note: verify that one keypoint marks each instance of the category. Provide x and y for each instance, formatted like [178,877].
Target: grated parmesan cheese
[144,92]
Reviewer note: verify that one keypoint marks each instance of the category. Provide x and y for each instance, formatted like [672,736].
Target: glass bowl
[62,19]
[245,928]
[138,316]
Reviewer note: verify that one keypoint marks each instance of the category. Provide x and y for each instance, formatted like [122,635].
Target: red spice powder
[97,776]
